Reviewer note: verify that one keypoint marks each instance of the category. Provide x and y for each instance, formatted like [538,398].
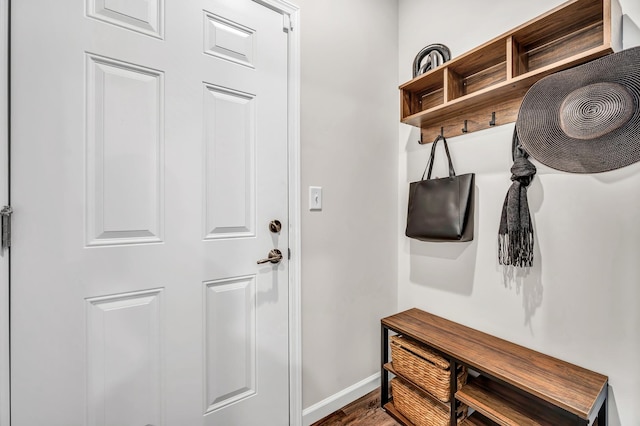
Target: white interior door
[149,154]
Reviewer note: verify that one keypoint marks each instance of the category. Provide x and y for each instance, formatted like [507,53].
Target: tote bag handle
[429,165]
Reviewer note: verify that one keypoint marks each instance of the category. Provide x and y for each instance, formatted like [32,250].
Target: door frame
[5,371]
[290,14]
[291,19]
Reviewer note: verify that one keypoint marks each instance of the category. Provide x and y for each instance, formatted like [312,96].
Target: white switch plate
[315,198]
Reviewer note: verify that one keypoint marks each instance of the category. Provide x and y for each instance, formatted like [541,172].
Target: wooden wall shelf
[515,386]
[494,77]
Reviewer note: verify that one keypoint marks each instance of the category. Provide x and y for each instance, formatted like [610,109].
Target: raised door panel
[229,145]
[124,153]
[230,341]
[144,16]
[124,358]
[229,40]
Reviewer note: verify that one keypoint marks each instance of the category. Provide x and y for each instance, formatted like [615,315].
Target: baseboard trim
[336,401]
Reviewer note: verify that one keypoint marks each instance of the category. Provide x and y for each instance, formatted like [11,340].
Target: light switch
[315,198]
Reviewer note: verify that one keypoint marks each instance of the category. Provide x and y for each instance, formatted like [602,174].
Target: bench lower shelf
[506,407]
[477,419]
[391,410]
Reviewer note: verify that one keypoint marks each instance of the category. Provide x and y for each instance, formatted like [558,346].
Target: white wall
[349,113]
[579,302]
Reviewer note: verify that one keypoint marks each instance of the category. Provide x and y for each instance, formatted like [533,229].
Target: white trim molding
[295,299]
[337,401]
[291,24]
[5,371]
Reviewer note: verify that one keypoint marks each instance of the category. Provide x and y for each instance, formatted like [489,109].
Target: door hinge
[5,214]
[288,254]
[287,23]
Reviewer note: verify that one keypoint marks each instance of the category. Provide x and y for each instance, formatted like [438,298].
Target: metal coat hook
[421,141]
[493,119]
[464,129]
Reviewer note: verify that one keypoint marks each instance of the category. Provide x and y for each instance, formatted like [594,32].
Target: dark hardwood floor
[365,411]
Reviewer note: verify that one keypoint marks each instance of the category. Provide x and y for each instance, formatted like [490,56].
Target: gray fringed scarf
[515,236]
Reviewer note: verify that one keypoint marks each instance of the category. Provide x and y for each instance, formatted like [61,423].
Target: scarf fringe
[516,248]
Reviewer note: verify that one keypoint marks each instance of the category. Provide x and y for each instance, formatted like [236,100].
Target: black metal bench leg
[602,414]
[384,374]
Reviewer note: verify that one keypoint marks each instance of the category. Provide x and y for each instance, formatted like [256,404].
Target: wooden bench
[515,385]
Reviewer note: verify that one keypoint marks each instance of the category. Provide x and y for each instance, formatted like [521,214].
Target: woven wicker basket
[420,409]
[424,367]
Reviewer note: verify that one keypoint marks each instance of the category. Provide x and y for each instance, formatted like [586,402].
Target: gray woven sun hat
[585,119]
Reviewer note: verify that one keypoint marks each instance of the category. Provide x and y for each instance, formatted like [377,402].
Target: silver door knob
[275,226]
[275,256]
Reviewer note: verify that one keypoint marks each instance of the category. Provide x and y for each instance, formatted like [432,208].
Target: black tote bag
[441,209]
